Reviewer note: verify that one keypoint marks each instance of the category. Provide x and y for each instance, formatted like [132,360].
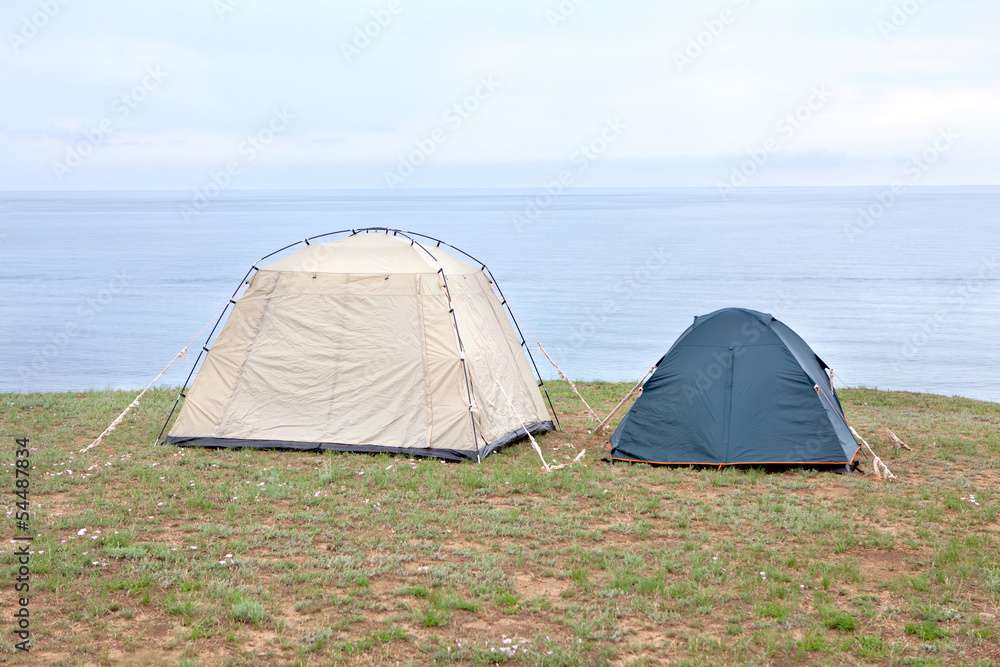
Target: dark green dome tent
[738,387]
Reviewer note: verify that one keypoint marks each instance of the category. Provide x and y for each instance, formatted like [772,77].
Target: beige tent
[378,342]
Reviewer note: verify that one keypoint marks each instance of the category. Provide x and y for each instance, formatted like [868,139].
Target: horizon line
[389,191]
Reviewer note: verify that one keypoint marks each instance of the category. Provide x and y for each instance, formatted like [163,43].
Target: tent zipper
[728,408]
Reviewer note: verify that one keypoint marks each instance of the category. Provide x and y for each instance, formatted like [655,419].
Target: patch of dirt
[528,585]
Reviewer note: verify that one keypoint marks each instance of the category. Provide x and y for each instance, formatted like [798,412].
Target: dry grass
[360,560]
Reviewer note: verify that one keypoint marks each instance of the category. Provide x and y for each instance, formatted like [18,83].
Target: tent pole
[524,344]
[458,336]
[503,299]
[204,348]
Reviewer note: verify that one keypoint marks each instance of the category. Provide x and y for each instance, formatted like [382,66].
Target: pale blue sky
[537,82]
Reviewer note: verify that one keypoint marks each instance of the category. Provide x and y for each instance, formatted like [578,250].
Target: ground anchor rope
[892,436]
[881,470]
[121,417]
[517,318]
[510,403]
[578,459]
[593,415]
[895,439]
[636,391]
[534,443]
[183,353]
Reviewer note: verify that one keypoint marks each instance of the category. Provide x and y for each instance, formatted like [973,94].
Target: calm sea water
[103,289]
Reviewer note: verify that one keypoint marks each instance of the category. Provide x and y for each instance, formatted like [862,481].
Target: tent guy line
[183,353]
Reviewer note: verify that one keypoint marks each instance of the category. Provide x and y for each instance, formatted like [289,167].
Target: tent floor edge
[839,467]
[535,428]
[242,443]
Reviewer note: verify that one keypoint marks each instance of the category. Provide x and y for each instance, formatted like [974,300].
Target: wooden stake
[637,387]
[882,471]
[896,441]
[593,415]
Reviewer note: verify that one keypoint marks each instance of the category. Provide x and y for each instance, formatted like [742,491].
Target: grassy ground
[160,556]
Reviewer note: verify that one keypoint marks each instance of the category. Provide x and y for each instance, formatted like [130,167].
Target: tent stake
[638,386]
[882,471]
